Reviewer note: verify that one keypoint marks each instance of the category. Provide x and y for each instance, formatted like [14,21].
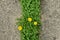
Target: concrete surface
[50,19]
[9,11]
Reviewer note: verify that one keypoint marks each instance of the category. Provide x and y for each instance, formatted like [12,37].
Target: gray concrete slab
[9,11]
[50,19]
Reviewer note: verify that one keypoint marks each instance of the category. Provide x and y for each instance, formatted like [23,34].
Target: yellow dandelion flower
[35,23]
[19,28]
[29,19]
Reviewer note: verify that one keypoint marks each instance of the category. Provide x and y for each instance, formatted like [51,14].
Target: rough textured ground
[50,19]
[9,11]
